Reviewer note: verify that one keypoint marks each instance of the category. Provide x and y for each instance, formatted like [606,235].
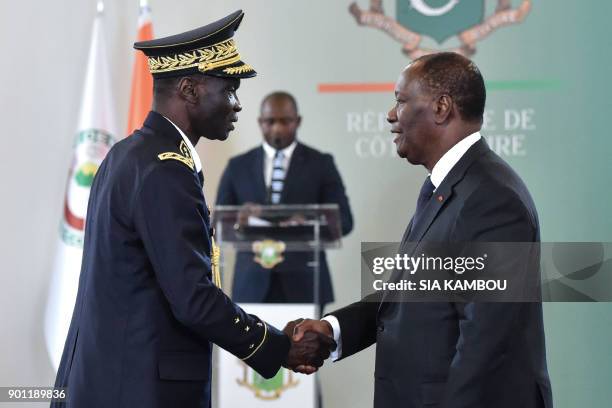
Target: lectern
[269,232]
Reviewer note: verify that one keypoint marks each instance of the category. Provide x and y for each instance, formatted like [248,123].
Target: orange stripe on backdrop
[142,84]
[357,87]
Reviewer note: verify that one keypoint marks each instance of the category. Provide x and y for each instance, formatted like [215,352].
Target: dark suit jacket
[146,311]
[459,355]
[312,178]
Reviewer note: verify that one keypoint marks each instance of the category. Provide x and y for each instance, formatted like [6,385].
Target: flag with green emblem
[95,135]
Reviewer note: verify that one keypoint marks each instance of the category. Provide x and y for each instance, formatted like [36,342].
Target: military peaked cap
[209,50]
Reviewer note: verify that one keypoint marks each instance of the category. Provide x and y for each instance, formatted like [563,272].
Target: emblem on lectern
[269,389]
[268,253]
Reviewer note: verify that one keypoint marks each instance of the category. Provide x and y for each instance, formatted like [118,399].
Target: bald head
[448,73]
[279,98]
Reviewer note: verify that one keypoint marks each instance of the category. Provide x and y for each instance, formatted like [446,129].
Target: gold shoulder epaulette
[184,156]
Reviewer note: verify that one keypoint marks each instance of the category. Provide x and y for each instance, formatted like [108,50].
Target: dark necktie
[424,196]
[278,178]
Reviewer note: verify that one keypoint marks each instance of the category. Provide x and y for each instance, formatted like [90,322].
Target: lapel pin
[440,198]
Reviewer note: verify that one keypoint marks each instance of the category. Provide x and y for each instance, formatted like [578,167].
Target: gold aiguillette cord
[216,256]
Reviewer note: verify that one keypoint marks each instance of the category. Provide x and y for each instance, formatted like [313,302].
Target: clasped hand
[311,344]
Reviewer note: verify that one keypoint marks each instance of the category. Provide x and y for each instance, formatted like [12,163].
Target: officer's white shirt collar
[192,150]
[287,151]
[451,157]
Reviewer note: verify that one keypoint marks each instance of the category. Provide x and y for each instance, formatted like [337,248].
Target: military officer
[147,309]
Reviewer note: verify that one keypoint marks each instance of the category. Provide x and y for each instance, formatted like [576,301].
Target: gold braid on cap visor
[205,59]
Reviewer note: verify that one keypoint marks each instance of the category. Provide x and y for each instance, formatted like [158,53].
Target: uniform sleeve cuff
[271,352]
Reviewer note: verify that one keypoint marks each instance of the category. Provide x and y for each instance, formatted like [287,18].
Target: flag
[142,81]
[95,135]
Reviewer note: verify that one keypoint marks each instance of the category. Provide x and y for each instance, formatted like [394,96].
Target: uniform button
[251,346]
[246,329]
[381,328]
[236,320]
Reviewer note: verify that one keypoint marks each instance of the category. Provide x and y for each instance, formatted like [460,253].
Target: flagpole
[141,95]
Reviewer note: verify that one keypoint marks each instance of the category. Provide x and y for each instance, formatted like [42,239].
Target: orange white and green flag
[142,81]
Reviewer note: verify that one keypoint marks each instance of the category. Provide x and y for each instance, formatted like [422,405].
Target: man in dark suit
[282,171]
[147,308]
[451,354]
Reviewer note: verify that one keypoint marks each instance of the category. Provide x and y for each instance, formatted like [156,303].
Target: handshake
[311,343]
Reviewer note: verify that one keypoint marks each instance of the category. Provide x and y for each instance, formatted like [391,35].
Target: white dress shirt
[438,173]
[450,158]
[270,152]
[192,150]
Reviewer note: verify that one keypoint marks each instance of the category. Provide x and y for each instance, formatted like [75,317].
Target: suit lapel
[257,169]
[435,204]
[444,192]
[407,233]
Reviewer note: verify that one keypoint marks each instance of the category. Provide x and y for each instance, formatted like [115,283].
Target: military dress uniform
[147,310]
